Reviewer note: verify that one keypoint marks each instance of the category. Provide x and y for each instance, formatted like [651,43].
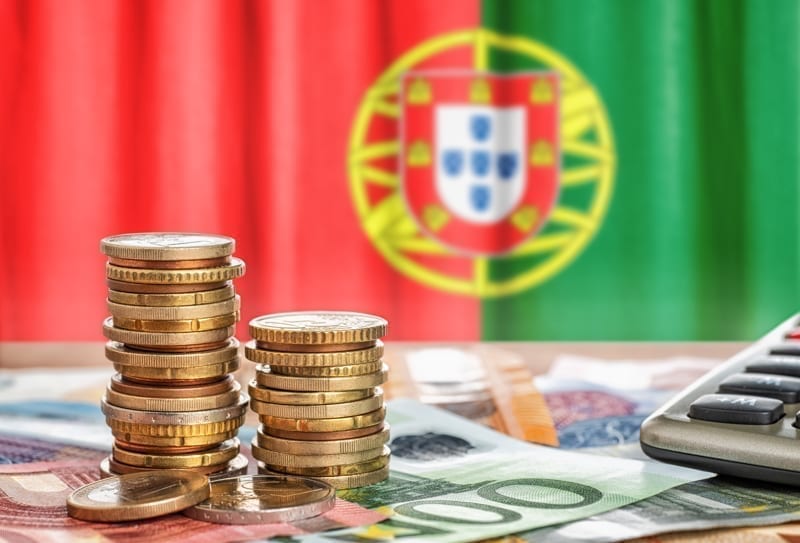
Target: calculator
[739,419]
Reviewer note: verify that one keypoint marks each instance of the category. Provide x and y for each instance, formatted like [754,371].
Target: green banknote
[701,505]
[453,480]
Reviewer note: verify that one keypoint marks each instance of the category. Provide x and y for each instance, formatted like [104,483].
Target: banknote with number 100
[453,481]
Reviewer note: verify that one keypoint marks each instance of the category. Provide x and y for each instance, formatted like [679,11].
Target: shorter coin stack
[318,397]
[173,403]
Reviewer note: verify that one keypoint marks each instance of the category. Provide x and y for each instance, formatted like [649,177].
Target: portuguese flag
[500,170]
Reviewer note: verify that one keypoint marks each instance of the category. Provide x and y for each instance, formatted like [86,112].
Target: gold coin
[145,288]
[177,326]
[149,449]
[179,312]
[304,359]
[324,411]
[317,327]
[340,424]
[261,499]
[322,436]
[120,354]
[221,454]
[143,443]
[315,460]
[178,376]
[162,339]
[237,409]
[200,403]
[266,378]
[124,386]
[138,496]
[233,467]
[167,246]
[330,348]
[173,300]
[127,429]
[286,397]
[340,446]
[330,371]
[193,348]
[336,470]
[170,264]
[170,277]
[343,482]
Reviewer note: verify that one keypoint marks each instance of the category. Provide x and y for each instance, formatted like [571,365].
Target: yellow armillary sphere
[586,175]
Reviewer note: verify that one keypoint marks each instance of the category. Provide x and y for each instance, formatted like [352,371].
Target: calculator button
[780,387]
[787,349]
[736,409]
[779,365]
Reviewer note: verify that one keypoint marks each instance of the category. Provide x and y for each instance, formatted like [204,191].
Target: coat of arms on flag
[480,156]
[476,182]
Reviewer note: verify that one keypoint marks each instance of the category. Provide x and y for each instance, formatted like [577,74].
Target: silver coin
[258,499]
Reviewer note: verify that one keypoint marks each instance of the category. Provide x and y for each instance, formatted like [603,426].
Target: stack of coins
[173,403]
[317,394]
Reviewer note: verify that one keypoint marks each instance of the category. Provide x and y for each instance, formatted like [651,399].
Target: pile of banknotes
[452,479]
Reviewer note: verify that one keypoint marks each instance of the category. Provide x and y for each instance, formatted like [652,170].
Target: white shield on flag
[480,175]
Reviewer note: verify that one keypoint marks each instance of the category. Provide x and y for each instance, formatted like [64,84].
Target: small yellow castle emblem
[480,92]
[434,217]
[525,218]
[419,154]
[419,92]
[542,91]
[542,154]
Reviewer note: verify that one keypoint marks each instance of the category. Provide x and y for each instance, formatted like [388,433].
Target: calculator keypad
[736,409]
[780,387]
[741,419]
[779,365]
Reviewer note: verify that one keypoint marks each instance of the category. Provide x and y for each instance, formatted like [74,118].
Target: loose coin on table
[256,499]
[138,496]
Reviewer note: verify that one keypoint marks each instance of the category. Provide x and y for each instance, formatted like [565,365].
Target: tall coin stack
[173,402]
[317,394]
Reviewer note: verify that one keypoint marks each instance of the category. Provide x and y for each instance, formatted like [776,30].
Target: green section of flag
[701,240]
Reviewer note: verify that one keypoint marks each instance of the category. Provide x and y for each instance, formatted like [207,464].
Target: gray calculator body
[764,445]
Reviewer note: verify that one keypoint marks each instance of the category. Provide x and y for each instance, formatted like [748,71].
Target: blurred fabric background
[677,216]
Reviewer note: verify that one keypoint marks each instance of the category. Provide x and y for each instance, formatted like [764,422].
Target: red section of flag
[210,116]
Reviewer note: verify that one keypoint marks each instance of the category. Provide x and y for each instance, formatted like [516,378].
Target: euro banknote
[453,480]
[701,505]
[485,383]
[33,509]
